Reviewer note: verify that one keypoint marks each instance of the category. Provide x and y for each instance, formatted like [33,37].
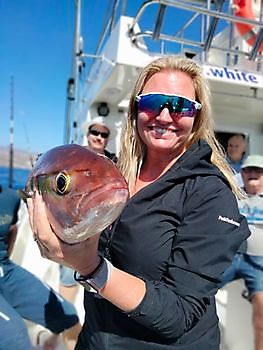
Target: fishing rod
[29,150]
[71,118]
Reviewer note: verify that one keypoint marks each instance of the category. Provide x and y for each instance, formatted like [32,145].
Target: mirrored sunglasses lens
[178,106]
[183,105]
[150,104]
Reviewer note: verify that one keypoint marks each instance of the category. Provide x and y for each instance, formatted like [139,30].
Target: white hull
[234,314]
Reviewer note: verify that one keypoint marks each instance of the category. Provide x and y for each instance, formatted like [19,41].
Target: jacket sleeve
[206,240]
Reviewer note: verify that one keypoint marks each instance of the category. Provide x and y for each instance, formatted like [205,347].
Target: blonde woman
[157,268]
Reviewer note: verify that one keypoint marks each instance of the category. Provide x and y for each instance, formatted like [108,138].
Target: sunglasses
[104,135]
[179,106]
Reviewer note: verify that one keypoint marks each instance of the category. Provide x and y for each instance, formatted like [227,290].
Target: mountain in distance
[21,158]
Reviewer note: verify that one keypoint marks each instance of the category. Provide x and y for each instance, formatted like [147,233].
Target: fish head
[83,192]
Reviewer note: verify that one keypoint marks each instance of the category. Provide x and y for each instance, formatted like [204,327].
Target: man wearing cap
[98,133]
[249,265]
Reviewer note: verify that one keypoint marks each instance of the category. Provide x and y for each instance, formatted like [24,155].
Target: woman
[177,234]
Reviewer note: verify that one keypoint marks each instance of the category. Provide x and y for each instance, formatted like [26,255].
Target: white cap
[255,161]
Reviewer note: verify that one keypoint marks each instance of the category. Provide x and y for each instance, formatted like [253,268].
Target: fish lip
[86,227]
[117,196]
[101,190]
[94,197]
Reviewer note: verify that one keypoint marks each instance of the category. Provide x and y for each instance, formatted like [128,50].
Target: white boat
[207,31]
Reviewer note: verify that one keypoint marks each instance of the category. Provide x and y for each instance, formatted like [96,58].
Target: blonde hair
[133,149]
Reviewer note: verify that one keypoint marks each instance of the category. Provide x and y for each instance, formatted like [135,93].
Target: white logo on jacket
[230,221]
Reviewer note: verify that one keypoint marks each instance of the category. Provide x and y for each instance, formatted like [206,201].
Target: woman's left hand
[82,256]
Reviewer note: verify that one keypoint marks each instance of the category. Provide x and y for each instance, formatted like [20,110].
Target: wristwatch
[95,281]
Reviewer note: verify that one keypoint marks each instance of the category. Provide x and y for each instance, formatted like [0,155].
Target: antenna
[11,145]
[71,118]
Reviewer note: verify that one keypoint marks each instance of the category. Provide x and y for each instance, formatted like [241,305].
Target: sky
[36,42]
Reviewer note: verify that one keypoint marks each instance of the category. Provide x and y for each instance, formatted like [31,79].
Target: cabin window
[223,137]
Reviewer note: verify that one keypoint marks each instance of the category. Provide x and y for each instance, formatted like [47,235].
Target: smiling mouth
[161,131]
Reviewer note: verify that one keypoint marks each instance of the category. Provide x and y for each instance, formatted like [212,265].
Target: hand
[82,256]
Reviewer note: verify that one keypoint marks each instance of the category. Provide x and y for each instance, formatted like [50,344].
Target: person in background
[23,295]
[236,154]
[236,151]
[98,132]
[151,277]
[249,265]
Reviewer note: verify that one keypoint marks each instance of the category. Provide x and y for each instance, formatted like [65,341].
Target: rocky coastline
[21,159]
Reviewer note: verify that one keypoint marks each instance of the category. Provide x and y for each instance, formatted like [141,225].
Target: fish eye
[62,183]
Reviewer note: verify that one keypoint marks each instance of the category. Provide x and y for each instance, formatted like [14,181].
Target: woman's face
[162,133]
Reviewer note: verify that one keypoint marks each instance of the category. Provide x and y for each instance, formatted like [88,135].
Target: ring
[43,249]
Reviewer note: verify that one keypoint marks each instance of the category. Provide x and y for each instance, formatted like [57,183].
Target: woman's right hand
[82,257]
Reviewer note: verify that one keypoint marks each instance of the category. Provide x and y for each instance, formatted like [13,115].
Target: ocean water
[19,177]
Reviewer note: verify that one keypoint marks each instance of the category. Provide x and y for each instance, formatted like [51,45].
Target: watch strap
[97,280]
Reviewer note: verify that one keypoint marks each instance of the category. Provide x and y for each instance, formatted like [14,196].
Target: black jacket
[111,156]
[178,234]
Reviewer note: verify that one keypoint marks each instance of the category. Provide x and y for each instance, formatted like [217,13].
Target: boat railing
[206,19]
[209,13]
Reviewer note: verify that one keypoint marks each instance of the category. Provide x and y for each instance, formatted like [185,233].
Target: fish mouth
[112,190]
[95,212]
[91,225]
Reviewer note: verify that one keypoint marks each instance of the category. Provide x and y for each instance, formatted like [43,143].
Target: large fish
[83,192]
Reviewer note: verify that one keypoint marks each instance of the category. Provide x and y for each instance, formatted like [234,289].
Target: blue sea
[19,177]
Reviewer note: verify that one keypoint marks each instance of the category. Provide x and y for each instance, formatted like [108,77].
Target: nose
[164,115]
